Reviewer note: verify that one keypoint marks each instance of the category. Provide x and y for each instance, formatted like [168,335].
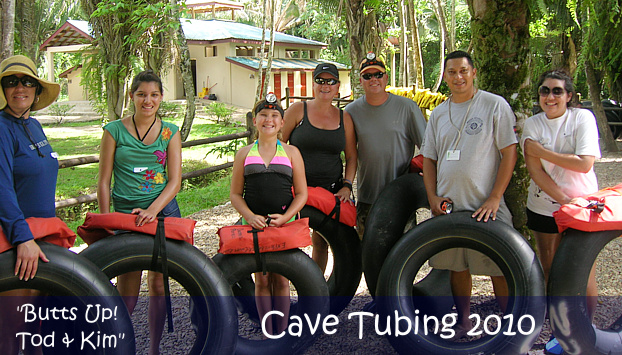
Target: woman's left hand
[144,216]
[28,254]
[344,195]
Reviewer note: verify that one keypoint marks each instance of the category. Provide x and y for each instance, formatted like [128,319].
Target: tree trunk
[606,137]
[500,38]
[259,91]
[186,74]
[440,15]
[452,36]
[8,29]
[28,33]
[363,37]
[403,45]
[109,31]
[416,47]
[266,79]
[410,76]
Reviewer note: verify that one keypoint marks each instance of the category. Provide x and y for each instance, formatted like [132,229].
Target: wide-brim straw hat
[19,64]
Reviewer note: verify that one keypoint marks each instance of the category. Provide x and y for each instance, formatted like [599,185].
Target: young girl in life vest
[261,191]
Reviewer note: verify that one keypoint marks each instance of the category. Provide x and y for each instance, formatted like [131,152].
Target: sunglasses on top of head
[544,91]
[12,81]
[322,81]
[368,76]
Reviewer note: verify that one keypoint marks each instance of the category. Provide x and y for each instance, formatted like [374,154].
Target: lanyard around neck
[466,116]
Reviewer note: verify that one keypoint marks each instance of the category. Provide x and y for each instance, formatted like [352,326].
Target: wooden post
[287,94]
[250,127]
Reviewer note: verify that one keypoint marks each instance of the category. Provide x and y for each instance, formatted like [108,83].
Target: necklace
[466,116]
[148,130]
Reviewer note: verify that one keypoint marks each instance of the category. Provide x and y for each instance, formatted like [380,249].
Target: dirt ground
[609,172]
[609,269]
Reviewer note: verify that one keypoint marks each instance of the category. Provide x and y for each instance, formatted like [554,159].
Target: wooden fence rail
[66,163]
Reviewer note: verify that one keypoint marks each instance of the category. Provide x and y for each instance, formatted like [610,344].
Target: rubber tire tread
[386,222]
[343,281]
[68,274]
[345,278]
[502,243]
[570,271]
[306,277]
[197,274]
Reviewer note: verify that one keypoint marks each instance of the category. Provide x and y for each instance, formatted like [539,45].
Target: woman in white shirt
[560,145]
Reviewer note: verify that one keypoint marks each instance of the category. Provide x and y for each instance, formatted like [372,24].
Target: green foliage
[228,149]
[603,43]
[323,26]
[170,110]
[221,111]
[152,33]
[60,111]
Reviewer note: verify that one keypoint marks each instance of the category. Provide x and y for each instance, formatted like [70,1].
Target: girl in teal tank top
[144,154]
[263,176]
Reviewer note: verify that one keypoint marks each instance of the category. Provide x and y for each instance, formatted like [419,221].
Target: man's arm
[490,207]
[429,180]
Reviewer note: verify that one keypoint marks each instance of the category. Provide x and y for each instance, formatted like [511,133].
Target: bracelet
[348,185]
[347,181]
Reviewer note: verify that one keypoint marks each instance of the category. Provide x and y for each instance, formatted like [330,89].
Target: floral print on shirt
[166,133]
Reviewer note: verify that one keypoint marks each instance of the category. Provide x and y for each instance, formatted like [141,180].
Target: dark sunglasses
[544,91]
[377,75]
[12,81]
[322,81]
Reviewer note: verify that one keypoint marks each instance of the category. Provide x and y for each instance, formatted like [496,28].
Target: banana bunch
[424,98]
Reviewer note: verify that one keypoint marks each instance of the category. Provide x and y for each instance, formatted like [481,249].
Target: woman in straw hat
[28,166]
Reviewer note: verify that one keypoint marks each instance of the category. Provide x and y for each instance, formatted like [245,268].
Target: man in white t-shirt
[469,155]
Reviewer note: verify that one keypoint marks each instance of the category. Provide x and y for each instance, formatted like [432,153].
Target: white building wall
[75,91]
[243,87]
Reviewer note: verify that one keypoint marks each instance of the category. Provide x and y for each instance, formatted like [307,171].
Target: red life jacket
[603,213]
[99,225]
[52,230]
[239,239]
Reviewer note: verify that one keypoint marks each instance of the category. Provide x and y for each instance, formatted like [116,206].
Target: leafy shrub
[170,110]
[220,111]
[60,111]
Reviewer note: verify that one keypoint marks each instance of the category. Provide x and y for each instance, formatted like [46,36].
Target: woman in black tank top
[321,132]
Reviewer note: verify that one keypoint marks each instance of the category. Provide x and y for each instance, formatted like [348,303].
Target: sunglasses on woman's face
[322,81]
[368,76]
[12,81]
[544,91]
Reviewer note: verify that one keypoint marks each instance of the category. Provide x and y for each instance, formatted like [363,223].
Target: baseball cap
[371,62]
[326,68]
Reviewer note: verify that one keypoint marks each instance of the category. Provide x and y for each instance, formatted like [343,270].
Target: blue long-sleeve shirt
[27,180]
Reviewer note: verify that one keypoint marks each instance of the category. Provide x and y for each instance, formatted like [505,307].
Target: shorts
[171,209]
[460,259]
[541,223]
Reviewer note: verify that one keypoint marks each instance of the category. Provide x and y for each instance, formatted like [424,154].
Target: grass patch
[193,199]
[75,139]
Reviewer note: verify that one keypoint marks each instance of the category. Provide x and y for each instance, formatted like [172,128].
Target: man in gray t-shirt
[469,155]
[388,127]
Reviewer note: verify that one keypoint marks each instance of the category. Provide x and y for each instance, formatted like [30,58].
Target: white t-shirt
[468,179]
[575,132]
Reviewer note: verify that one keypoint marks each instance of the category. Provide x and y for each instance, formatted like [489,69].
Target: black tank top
[321,151]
